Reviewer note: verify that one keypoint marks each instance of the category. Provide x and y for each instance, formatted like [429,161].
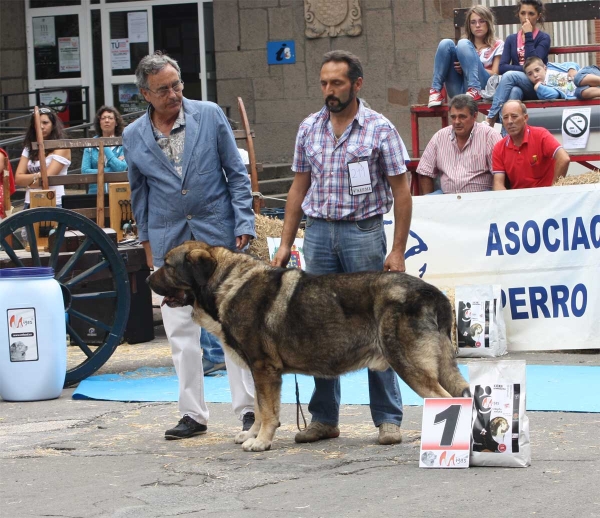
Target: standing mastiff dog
[279,320]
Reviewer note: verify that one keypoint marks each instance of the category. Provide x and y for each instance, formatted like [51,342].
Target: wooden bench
[113,212]
[505,15]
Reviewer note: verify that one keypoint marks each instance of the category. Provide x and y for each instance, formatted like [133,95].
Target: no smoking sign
[576,124]
[576,127]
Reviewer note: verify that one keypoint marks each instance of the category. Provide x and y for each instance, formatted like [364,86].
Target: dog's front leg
[268,397]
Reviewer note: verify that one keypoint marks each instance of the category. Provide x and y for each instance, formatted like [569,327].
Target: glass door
[126,39]
[58,62]
[176,33]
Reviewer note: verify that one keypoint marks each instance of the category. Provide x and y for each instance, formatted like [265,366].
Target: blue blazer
[210,202]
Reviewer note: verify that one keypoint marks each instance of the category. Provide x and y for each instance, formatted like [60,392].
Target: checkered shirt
[466,170]
[172,144]
[369,136]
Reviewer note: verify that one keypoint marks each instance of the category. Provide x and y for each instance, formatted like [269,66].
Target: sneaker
[247,421]
[317,431]
[435,98]
[186,427]
[389,433]
[210,367]
[474,94]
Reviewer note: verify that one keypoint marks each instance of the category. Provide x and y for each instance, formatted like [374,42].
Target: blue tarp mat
[549,387]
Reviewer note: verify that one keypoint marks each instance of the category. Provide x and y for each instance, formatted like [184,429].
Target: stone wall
[13,51]
[396,47]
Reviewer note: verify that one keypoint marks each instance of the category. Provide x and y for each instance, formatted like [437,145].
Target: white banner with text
[541,245]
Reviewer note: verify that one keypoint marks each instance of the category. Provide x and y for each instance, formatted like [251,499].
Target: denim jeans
[593,69]
[513,85]
[211,347]
[350,246]
[474,74]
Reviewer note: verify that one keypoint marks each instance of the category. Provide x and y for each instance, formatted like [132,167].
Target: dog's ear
[203,265]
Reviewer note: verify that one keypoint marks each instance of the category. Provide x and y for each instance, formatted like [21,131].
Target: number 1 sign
[446,433]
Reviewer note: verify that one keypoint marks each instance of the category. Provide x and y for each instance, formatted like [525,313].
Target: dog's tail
[450,377]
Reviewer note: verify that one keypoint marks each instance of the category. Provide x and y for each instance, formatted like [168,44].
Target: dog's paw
[242,437]
[254,444]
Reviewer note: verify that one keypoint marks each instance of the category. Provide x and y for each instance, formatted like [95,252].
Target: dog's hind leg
[267,384]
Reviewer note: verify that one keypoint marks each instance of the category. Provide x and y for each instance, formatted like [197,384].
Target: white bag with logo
[480,327]
[500,425]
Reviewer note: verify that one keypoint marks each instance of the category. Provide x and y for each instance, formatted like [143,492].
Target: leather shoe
[186,427]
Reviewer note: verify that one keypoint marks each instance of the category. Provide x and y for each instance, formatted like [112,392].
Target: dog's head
[18,350]
[186,268]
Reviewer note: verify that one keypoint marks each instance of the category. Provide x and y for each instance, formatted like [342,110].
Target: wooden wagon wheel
[102,261]
[257,202]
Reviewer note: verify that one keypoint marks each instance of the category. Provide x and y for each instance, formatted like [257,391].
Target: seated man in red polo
[528,156]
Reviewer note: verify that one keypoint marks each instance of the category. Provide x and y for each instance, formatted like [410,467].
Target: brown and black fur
[280,320]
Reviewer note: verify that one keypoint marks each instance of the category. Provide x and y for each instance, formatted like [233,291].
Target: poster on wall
[130,99]
[137,26]
[120,54]
[43,31]
[56,98]
[68,55]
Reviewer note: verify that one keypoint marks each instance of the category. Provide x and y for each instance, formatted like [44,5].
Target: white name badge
[360,178]
[446,433]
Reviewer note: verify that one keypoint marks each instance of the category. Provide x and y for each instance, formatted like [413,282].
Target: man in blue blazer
[187,182]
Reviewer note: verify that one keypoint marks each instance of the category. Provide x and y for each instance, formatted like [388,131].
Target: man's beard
[337,108]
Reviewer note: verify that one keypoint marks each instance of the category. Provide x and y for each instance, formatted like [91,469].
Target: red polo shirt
[532,163]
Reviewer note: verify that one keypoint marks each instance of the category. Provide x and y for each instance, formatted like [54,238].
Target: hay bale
[580,179]
[266,227]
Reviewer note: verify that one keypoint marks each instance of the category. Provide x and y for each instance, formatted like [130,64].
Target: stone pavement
[68,458]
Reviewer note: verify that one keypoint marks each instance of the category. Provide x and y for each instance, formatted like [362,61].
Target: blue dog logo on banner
[416,249]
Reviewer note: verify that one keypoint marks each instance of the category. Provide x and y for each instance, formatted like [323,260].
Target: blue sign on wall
[281,52]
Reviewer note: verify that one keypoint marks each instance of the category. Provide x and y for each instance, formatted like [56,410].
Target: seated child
[554,81]
[563,80]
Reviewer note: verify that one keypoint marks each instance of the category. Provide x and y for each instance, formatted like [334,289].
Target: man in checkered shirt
[350,167]
[460,155]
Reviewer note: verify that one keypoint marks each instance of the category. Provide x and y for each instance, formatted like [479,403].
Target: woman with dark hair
[528,42]
[108,123]
[57,160]
[467,66]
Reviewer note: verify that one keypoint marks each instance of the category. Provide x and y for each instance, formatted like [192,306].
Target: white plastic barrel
[33,349]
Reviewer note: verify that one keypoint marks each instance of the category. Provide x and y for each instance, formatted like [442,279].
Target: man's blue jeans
[350,246]
[513,85]
[474,73]
[211,347]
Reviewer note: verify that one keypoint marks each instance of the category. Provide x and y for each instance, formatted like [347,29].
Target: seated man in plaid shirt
[349,163]
[460,155]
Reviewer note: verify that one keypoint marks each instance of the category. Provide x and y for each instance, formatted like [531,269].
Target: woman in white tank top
[57,160]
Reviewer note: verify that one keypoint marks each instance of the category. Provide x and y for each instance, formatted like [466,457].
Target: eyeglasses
[475,23]
[107,118]
[163,91]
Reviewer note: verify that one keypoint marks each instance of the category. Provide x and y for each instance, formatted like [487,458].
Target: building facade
[88,50]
